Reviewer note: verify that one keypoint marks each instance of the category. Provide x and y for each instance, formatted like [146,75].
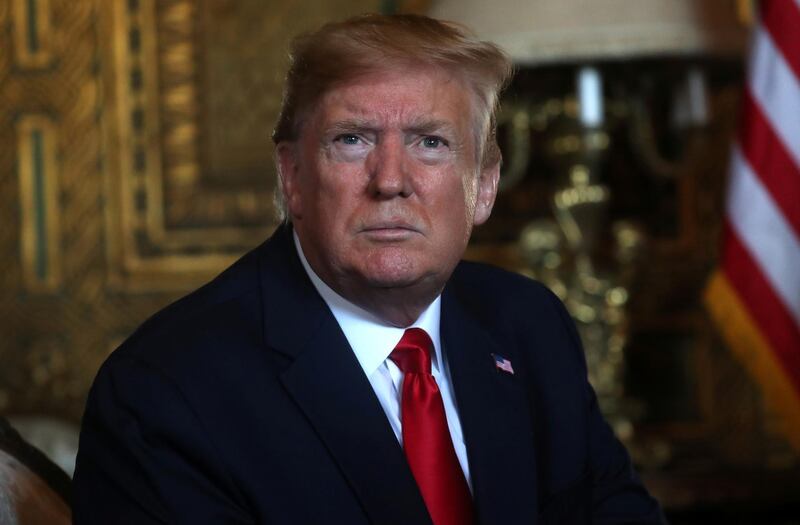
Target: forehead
[398,98]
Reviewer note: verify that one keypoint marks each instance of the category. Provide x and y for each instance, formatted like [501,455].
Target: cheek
[455,208]
[470,191]
[468,196]
[340,178]
[337,195]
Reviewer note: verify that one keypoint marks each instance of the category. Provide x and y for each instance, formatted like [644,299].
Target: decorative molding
[32,33]
[38,199]
[168,231]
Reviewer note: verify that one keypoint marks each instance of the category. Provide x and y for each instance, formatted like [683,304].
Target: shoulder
[213,340]
[492,282]
[224,306]
[493,292]
[196,337]
[521,315]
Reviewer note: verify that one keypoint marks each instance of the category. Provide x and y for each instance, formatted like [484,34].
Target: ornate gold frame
[154,183]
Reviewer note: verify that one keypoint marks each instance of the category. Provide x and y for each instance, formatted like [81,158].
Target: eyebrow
[351,126]
[427,127]
[422,126]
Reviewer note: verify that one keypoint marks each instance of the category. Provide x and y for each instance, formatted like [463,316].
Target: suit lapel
[495,417]
[329,386]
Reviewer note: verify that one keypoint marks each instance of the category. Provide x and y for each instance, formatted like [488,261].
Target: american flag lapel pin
[501,363]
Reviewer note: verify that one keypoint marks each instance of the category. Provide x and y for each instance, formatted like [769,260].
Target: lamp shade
[537,31]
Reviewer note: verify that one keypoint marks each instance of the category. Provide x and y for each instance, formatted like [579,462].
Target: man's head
[387,155]
[340,52]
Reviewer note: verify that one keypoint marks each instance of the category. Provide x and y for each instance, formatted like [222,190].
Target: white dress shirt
[372,340]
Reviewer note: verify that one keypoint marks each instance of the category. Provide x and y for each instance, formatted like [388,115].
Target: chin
[403,278]
[391,280]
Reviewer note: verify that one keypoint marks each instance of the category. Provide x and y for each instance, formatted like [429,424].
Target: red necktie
[426,438]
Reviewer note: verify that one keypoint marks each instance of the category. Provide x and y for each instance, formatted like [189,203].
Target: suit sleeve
[618,495]
[144,457]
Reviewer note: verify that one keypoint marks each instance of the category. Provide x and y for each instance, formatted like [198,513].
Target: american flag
[502,364]
[754,297]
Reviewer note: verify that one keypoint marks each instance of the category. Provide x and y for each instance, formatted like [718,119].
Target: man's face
[383,185]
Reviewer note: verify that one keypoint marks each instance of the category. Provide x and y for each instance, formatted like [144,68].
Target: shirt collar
[372,339]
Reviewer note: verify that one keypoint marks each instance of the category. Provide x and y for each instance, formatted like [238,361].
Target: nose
[388,169]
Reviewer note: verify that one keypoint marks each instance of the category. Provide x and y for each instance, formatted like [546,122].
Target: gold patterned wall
[135,163]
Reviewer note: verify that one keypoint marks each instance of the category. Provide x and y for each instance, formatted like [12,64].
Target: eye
[348,139]
[433,142]
[349,147]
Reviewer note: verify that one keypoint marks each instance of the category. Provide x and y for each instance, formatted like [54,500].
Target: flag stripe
[751,347]
[769,158]
[782,19]
[762,229]
[763,305]
[776,90]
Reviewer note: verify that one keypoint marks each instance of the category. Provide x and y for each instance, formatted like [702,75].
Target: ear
[286,156]
[487,191]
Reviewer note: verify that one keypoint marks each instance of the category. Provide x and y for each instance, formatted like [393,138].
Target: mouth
[390,231]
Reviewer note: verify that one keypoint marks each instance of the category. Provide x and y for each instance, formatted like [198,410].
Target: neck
[399,307]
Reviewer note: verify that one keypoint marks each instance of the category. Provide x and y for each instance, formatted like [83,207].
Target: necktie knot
[413,353]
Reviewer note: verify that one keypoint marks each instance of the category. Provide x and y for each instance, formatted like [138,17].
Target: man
[350,370]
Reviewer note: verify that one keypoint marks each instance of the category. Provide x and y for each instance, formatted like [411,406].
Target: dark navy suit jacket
[243,403]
